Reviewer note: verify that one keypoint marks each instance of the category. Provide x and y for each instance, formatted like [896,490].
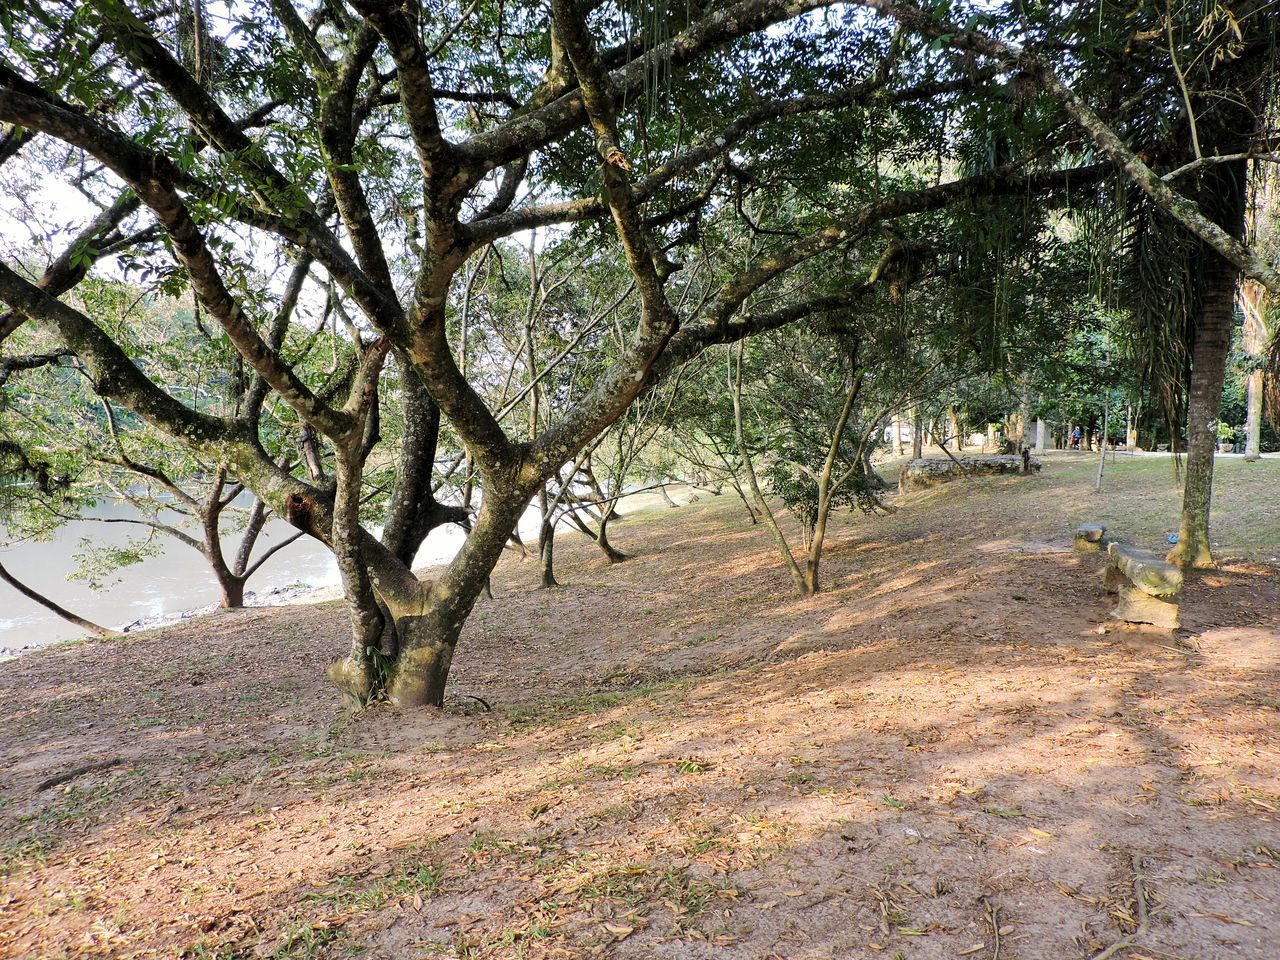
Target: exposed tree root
[72,774]
[1140,899]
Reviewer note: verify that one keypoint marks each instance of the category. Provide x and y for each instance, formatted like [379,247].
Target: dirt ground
[949,753]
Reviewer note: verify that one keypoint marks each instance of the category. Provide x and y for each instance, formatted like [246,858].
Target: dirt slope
[942,756]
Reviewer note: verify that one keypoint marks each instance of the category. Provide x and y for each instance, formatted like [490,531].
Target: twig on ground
[1140,899]
[70,775]
[992,914]
[480,700]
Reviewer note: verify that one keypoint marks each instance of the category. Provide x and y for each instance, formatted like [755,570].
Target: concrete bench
[931,471]
[1146,584]
[1091,537]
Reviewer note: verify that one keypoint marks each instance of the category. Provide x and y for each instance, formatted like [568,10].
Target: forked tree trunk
[230,586]
[1208,368]
[429,630]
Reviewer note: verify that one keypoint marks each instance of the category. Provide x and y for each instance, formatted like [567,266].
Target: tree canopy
[432,253]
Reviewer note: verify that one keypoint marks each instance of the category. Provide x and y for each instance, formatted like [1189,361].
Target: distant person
[1075,439]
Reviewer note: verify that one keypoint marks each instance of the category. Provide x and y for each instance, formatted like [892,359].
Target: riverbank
[176,585]
[274,597]
[950,752]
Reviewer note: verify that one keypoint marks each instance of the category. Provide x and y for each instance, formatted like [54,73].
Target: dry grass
[948,753]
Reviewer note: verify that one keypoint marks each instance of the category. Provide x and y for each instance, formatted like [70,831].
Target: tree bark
[232,590]
[1024,417]
[1208,369]
[230,586]
[1102,447]
[48,604]
[429,632]
[547,553]
[546,541]
[1253,417]
[1252,302]
[413,511]
[602,538]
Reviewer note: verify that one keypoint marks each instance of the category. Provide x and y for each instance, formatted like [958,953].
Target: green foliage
[96,562]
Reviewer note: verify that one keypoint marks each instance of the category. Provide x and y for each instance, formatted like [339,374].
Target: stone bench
[1091,537]
[1146,584]
[931,471]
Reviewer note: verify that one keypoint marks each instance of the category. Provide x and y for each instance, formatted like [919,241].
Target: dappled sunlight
[681,754]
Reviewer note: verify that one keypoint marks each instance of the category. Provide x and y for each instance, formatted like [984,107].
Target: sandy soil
[950,753]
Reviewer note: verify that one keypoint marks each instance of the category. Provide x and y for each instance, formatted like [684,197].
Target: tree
[175,492]
[1213,69]
[820,405]
[391,154]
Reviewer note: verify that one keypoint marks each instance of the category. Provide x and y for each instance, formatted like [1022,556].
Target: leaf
[1001,812]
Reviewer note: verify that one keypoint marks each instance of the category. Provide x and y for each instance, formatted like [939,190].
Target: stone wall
[931,471]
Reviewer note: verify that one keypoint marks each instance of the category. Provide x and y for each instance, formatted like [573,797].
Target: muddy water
[172,582]
[176,580]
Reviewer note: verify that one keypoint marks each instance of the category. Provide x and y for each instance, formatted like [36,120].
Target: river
[165,585]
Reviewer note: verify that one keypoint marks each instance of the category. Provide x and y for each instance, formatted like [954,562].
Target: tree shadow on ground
[684,762]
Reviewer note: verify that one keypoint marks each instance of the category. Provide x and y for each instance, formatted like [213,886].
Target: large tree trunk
[917,435]
[1217,303]
[1208,368]
[1252,303]
[232,590]
[429,633]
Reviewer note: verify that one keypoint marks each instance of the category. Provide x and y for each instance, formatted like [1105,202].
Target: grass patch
[19,855]
[412,877]
[543,713]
